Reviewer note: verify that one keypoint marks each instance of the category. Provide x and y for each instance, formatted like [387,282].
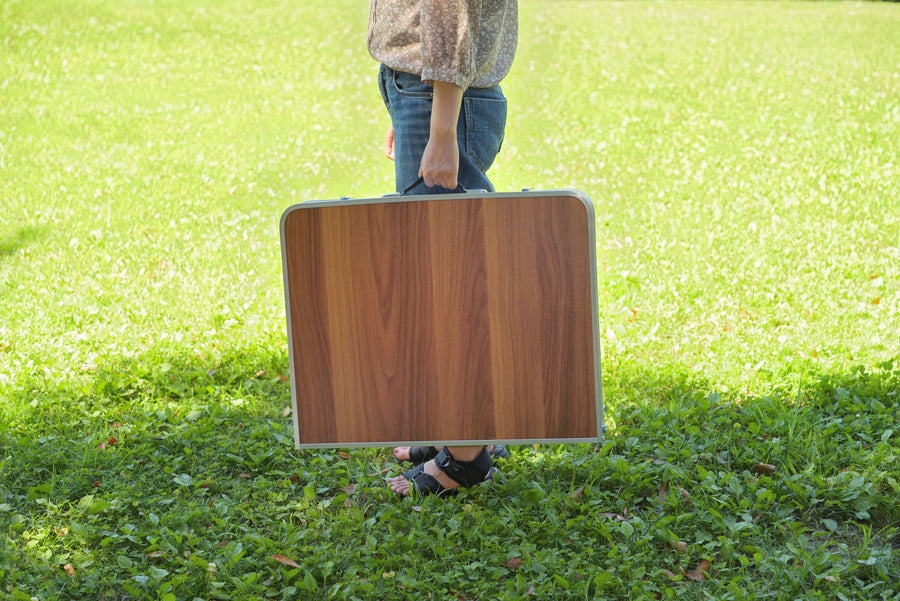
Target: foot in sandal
[422,454]
[443,474]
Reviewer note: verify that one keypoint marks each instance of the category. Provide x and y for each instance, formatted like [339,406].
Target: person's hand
[440,162]
[389,142]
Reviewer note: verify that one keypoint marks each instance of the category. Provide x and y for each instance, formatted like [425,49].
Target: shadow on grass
[235,412]
[156,404]
[10,245]
[134,456]
[839,434]
[172,447]
[158,395]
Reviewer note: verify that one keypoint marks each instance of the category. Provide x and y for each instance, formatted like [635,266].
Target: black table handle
[459,187]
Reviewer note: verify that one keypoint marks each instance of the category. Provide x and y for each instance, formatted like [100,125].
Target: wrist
[443,132]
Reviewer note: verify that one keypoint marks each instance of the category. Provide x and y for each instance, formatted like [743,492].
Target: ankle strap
[465,473]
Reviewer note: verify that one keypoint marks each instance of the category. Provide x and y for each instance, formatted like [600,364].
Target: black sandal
[464,473]
[418,455]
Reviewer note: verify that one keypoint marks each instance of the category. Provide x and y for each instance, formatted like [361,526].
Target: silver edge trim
[595,313]
[310,204]
[290,338]
[406,443]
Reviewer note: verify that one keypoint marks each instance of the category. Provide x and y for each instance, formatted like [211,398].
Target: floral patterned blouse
[469,43]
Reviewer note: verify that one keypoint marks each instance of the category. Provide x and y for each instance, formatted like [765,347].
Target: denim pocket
[383,75]
[411,85]
[485,124]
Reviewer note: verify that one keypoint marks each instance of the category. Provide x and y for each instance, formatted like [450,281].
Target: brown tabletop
[441,319]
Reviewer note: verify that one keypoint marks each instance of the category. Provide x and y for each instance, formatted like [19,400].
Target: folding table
[443,319]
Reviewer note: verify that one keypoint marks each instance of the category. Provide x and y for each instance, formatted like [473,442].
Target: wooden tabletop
[442,319]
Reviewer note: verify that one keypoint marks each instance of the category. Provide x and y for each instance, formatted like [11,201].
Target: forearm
[445,110]
[440,163]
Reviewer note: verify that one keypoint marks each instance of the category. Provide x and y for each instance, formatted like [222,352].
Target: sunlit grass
[745,171]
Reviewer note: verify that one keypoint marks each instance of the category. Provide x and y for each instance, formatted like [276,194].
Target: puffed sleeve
[449,38]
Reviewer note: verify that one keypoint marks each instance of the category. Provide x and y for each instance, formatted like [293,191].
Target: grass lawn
[744,161]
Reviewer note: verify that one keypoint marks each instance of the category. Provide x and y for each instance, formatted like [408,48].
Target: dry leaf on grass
[698,573]
[766,468]
[664,492]
[285,560]
[614,516]
[107,443]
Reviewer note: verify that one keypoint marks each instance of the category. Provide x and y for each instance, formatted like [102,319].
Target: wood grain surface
[463,319]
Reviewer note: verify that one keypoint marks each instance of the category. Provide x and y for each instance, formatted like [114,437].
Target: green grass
[743,160]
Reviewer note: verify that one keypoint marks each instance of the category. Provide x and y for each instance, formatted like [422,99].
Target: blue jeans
[479,133]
